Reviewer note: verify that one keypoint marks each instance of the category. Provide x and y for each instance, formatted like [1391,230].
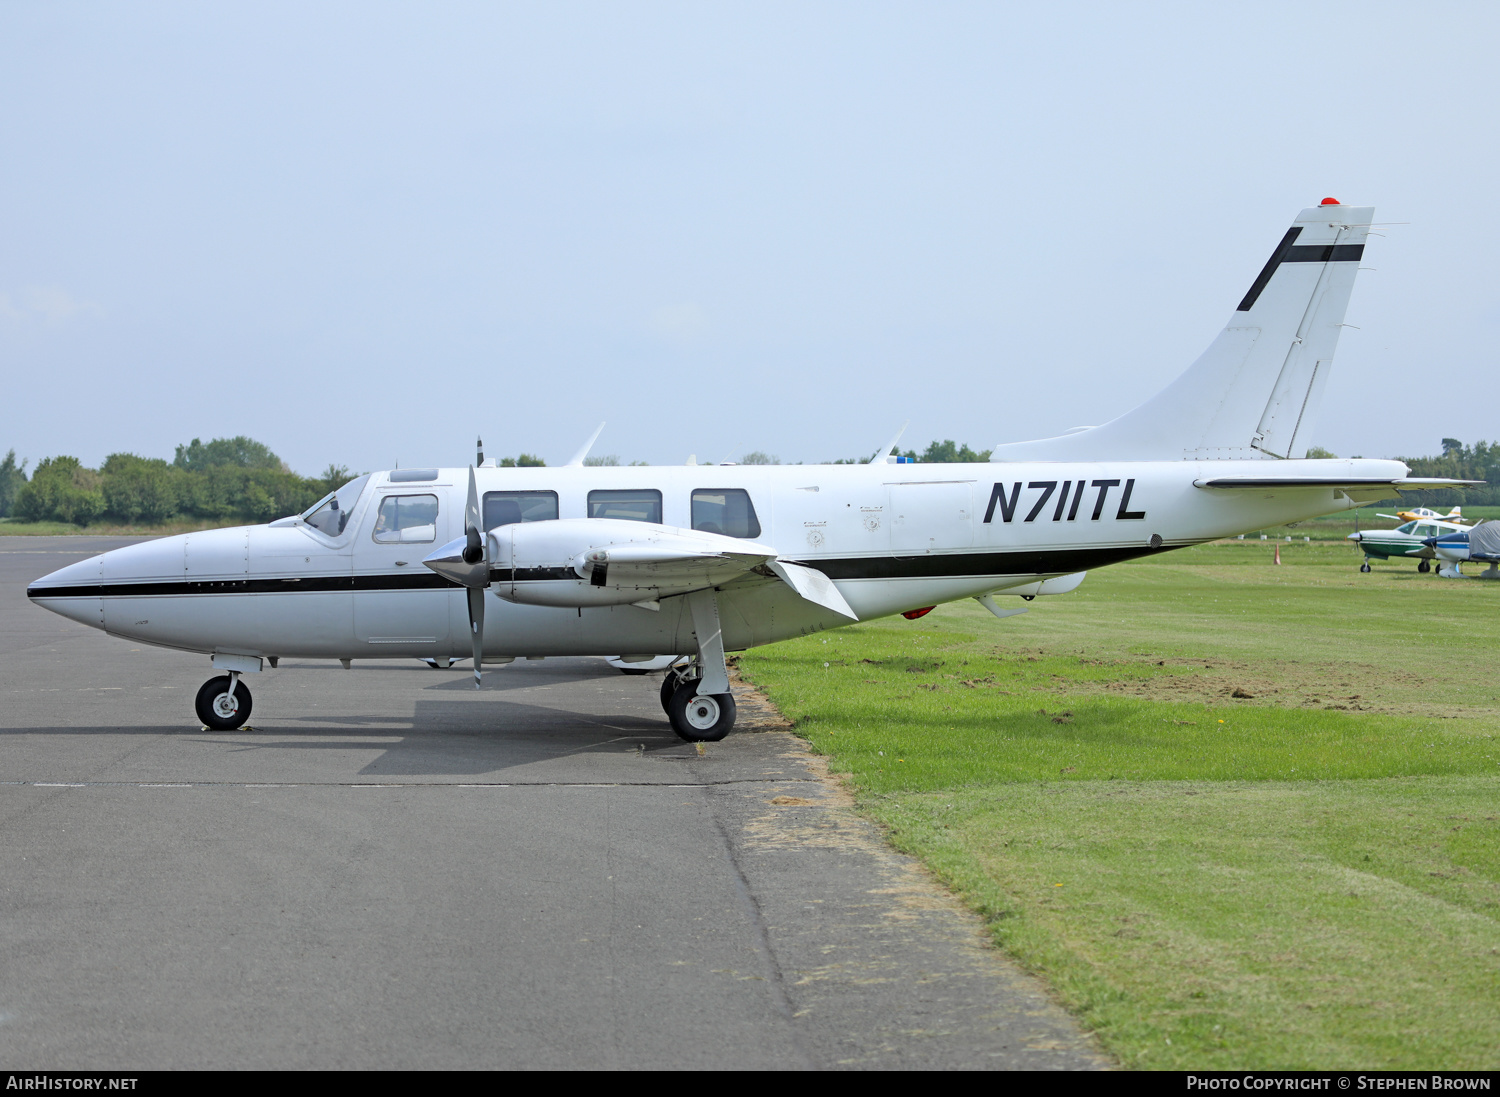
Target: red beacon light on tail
[1330,202]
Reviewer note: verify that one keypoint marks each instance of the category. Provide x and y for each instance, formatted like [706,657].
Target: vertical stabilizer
[1255,391]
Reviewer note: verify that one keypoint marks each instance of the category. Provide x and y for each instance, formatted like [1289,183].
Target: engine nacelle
[581,562]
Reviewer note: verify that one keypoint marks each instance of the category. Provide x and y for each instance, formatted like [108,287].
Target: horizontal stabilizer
[814,586]
[1060,584]
[1409,483]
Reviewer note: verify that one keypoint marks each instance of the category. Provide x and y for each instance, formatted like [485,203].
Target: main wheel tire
[1365,566]
[705,719]
[1424,567]
[218,710]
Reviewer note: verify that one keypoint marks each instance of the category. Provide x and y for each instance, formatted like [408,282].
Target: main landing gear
[1423,566]
[1365,567]
[224,703]
[696,697]
[698,718]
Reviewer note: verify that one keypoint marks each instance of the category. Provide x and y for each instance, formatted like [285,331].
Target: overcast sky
[365,232]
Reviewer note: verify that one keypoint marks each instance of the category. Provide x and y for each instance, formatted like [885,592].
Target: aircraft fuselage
[892,537]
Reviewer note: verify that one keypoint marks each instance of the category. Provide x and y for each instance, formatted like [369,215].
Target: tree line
[1481,461]
[220,480]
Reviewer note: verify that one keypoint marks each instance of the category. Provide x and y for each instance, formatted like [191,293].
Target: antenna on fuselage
[577,461]
[478,452]
[885,454]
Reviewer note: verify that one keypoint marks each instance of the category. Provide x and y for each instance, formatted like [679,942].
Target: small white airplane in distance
[495,564]
[1416,514]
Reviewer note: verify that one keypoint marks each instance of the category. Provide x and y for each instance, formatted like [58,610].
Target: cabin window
[506,508]
[725,510]
[406,519]
[631,506]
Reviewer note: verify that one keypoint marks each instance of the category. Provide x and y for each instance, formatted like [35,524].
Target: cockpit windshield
[1406,528]
[330,514]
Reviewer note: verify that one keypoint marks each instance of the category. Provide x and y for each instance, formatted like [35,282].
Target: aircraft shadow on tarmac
[527,675]
[500,679]
[454,739]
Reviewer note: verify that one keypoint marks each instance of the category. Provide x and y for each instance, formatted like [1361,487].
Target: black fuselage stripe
[973,564]
[320,584]
[950,566]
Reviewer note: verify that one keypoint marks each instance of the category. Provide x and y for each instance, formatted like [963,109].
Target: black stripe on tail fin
[1270,268]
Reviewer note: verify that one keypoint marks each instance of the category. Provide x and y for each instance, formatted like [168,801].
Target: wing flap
[814,586]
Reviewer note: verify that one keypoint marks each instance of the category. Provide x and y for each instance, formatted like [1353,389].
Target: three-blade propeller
[466,562]
[474,554]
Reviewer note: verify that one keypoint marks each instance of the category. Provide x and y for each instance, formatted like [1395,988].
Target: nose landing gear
[223,704]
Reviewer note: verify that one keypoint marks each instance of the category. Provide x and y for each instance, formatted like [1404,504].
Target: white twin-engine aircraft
[698,560]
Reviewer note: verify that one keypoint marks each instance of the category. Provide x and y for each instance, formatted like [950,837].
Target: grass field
[15,527]
[1239,815]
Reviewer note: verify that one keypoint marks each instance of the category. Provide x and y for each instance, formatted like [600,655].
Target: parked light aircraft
[495,564]
[1411,539]
[1481,542]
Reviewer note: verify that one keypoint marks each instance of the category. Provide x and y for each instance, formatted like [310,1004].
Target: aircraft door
[931,517]
[398,601]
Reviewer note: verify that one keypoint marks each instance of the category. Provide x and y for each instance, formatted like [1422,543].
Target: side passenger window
[406,519]
[633,506]
[506,508]
[725,510]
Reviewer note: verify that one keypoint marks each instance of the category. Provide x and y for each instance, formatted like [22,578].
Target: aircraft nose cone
[73,592]
[1355,536]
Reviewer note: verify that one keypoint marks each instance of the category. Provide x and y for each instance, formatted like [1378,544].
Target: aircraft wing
[601,562]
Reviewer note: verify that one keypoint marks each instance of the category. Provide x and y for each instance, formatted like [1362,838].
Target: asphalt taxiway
[392,870]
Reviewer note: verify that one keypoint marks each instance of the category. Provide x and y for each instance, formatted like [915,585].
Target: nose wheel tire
[221,710]
[705,719]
